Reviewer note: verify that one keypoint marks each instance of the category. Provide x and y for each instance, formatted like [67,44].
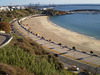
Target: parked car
[73,68]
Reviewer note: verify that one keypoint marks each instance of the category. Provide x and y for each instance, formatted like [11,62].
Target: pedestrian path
[66,52]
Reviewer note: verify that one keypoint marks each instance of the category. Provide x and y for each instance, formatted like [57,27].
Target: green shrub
[16,56]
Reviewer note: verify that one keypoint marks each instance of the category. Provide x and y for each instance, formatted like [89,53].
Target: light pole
[28,31]
[74,51]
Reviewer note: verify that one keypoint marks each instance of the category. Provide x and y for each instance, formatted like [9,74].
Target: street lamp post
[28,31]
[74,51]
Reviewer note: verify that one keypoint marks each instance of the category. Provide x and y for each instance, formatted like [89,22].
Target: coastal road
[66,55]
[4,38]
[14,30]
[67,62]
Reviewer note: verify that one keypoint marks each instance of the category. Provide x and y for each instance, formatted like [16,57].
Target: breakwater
[85,11]
[80,11]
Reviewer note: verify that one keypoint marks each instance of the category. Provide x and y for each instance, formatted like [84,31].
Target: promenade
[64,51]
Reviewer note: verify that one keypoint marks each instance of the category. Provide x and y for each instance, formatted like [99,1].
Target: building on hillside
[0,9]
[11,8]
[4,9]
[51,8]
[23,7]
[20,7]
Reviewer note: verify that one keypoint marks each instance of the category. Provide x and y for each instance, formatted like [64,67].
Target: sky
[21,2]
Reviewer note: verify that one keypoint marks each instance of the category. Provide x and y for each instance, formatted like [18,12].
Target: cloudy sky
[18,2]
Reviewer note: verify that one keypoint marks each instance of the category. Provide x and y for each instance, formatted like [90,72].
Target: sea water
[87,24]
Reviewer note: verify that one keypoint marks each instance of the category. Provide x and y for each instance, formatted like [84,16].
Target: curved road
[3,39]
[65,55]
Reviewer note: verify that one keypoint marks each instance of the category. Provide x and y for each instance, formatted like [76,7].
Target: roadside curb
[6,42]
[84,62]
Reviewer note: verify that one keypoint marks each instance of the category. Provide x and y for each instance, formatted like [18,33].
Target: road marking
[85,62]
[71,57]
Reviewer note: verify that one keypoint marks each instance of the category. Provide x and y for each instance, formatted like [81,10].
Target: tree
[5,26]
[91,52]
[73,48]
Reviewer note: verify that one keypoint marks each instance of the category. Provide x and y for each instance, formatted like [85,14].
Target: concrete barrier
[22,19]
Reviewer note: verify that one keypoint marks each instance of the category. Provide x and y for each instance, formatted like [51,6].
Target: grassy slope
[25,57]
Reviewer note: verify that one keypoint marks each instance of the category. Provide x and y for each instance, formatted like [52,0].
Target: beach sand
[58,34]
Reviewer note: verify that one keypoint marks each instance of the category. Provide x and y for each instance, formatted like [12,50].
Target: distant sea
[87,24]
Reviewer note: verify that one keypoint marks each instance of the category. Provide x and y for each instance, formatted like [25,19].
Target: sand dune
[58,34]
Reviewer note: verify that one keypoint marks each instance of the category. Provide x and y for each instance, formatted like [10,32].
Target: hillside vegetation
[5,26]
[53,12]
[7,16]
[25,57]
[10,15]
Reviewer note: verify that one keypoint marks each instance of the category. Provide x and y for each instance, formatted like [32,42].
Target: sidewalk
[66,52]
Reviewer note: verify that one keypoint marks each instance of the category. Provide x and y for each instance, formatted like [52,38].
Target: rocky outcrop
[53,12]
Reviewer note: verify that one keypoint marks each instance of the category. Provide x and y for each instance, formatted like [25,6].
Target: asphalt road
[14,30]
[4,38]
[68,61]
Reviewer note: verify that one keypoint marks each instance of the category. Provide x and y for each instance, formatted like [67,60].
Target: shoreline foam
[91,37]
[59,34]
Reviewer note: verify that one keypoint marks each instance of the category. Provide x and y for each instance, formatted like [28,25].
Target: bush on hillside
[5,26]
[10,70]
[53,12]
[25,53]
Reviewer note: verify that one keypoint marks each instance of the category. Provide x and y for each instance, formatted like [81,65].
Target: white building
[4,9]
[18,7]
[23,7]
[50,8]
[11,8]
[7,8]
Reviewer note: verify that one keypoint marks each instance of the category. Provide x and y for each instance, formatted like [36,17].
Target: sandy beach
[58,34]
